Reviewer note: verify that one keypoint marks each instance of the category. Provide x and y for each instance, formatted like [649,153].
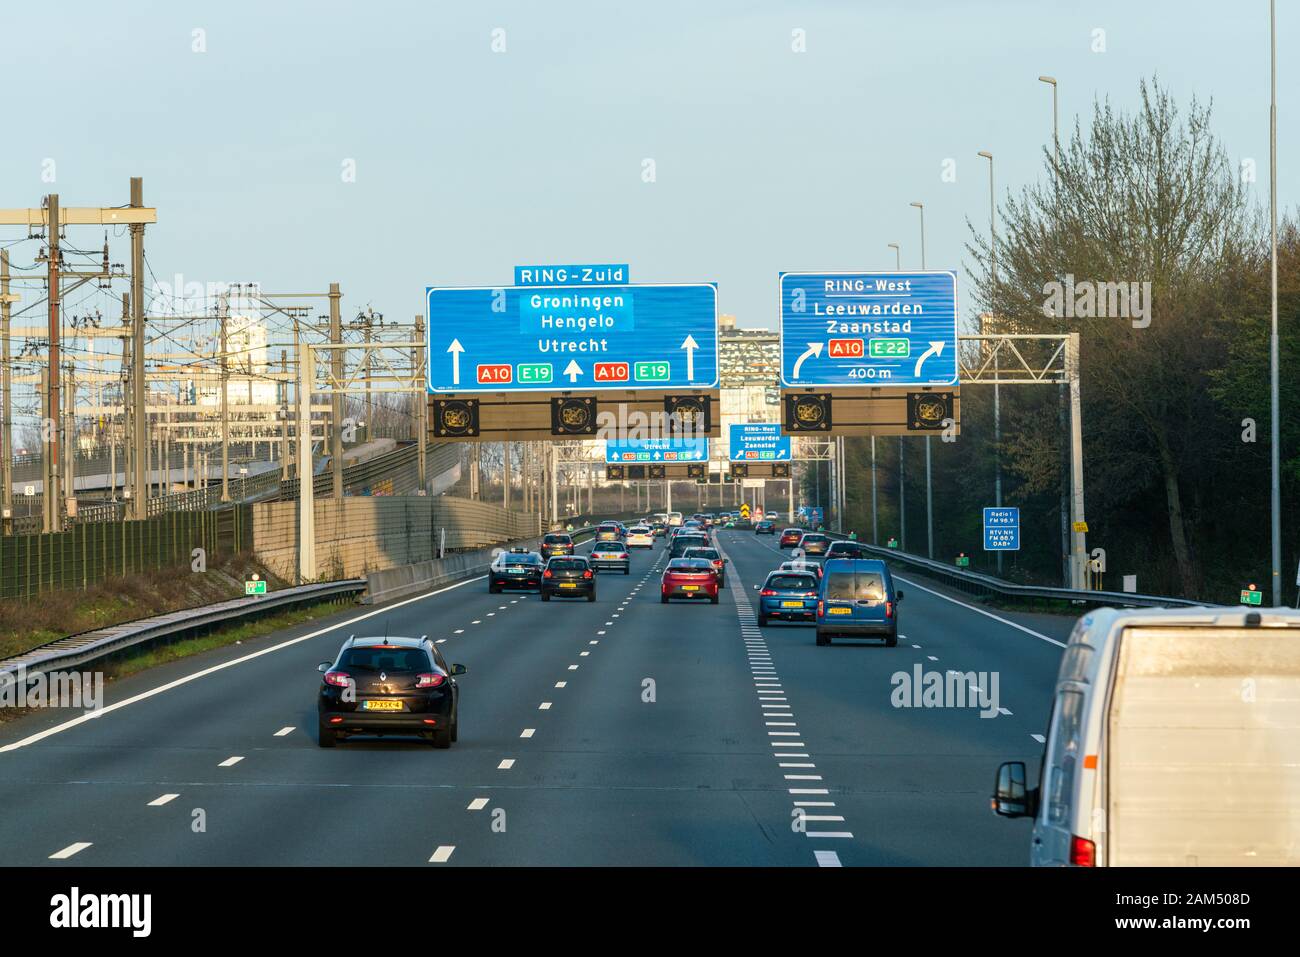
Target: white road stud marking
[442,854]
[163,799]
[477,804]
[283,731]
[231,761]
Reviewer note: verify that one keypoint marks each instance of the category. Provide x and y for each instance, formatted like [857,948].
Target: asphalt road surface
[623,732]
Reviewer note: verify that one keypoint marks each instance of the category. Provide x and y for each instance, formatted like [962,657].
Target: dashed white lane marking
[827,859]
[501,607]
[932,657]
[477,804]
[593,642]
[283,731]
[823,817]
[561,684]
[1004,712]
[490,614]
[844,834]
[477,621]
[231,761]
[600,632]
[1038,737]
[459,631]
[795,764]
[442,854]
[803,777]
[808,790]
[916,646]
[441,641]
[163,799]
[544,706]
[527,732]
[573,667]
[583,654]
[814,803]
[68,851]
[506,764]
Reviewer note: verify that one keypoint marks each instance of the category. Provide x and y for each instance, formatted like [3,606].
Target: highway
[622,732]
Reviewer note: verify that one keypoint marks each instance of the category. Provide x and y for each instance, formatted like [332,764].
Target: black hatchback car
[516,569]
[380,686]
[569,577]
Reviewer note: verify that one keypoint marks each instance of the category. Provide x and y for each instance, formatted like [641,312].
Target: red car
[689,578]
[790,537]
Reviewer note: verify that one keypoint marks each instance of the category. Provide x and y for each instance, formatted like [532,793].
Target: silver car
[610,557]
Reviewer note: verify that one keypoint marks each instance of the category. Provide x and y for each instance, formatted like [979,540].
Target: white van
[1174,739]
[674,519]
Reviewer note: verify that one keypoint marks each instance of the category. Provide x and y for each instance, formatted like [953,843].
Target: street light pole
[1276,488]
[1062,396]
[929,482]
[997,392]
[898,255]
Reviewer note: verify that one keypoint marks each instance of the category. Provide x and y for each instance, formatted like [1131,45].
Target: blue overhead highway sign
[554,338]
[670,449]
[872,329]
[757,442]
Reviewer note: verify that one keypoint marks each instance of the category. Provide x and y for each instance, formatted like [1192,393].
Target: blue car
[857,599]
[788,596]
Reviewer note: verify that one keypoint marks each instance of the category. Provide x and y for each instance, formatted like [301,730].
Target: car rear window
[690,564]
[850,586]
[557,539]
[793,582]
[568,564]
[392,660]
[815,538]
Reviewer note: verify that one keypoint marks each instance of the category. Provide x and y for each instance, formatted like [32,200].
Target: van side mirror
[1011,798]
[898,595]
[458,670]
[323,667]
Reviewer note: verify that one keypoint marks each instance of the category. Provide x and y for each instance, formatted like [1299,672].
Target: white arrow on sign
[573,370]
[936,348]
[455,349]
[690,345]
[814,349]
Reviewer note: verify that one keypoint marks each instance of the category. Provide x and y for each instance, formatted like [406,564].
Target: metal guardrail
[82,649]
[987,586]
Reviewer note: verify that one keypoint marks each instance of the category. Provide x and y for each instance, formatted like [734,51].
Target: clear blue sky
[470,161]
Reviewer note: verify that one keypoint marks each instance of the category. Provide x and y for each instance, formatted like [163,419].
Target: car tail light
[430,720]
[430,680]
[768,592]
[587,573]
[821,608]
[548,574]
[889,609]
[336,720]
[339,679]
[1083,853]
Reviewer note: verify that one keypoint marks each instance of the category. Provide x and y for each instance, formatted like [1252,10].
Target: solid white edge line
[203,673]
[981,611]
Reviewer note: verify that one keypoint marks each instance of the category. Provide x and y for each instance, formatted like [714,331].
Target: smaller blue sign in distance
[670,449]
[868,329]
[1001,529]
[573,274]
[757,442]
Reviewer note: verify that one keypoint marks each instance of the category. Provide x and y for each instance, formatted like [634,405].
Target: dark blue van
[857,600]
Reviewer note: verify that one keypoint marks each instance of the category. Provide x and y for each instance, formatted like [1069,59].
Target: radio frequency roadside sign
[1001,529]
[757,442]
[868,329]
[668,449]
[572,337]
